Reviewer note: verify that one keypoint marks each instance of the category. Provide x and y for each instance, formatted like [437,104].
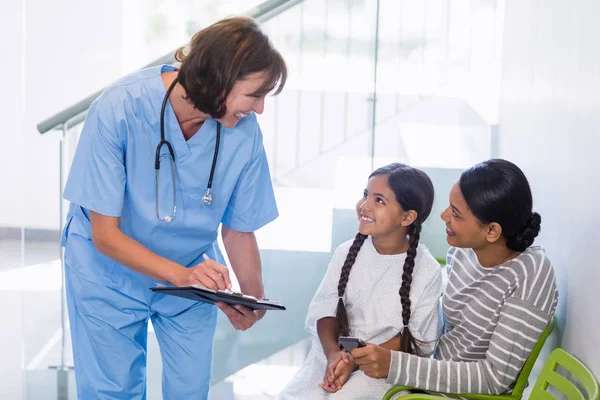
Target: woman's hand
[240,317]
[208,273]
[373,360]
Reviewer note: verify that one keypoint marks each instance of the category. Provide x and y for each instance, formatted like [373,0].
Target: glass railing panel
[441,77]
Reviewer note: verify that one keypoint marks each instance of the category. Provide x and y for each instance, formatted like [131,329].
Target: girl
[501,292]
[366,294]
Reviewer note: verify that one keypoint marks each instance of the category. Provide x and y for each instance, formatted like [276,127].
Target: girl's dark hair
[498,191]
[414,191]
[222,54]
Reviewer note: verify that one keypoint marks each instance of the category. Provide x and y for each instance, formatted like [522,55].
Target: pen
[206,258]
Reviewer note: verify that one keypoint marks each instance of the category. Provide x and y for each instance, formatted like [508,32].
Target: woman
[501,292]
[166,155]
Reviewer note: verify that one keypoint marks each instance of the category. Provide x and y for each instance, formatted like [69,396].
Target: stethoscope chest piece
[207,198]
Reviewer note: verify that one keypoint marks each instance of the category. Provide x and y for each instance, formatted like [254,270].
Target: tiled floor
[30,276]
[265,379]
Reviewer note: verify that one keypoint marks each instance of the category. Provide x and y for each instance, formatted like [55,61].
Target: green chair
[549,377]
[517,392]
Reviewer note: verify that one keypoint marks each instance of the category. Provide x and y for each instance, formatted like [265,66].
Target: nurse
[141,215]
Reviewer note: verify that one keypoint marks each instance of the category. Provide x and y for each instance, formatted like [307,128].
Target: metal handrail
[76,113]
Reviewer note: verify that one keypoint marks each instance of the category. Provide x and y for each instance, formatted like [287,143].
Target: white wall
[11,111]
[53,54]
[11,188]
[60,52]
[550,126]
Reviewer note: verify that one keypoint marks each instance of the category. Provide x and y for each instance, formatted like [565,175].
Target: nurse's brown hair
[223,53]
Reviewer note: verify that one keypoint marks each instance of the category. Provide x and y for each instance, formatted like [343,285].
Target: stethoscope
[207,198]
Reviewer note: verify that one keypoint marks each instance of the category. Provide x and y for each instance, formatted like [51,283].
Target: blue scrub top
[113,174]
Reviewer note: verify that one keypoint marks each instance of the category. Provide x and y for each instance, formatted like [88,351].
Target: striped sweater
[493,319]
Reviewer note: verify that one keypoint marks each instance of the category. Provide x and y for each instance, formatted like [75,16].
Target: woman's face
[244,98]
[463,229]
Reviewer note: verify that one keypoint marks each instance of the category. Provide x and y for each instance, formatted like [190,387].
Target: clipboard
[200,293]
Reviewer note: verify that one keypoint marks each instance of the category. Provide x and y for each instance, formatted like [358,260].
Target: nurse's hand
[240,317]
[208,273]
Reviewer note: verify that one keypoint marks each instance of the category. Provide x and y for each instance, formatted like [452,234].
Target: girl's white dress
[374,312]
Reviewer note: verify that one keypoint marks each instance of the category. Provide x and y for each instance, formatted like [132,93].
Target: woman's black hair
[414,191]
[498,191]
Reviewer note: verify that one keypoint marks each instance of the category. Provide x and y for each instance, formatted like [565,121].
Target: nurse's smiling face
[246,96]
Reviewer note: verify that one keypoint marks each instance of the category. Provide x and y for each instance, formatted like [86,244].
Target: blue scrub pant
[109,335]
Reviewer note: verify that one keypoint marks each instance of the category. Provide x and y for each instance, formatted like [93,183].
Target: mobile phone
[350,343]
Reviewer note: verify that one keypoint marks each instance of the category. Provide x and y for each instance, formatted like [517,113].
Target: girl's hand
[343,371]
[336,360]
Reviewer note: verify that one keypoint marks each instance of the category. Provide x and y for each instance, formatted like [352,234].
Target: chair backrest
[549,376]
[529,363]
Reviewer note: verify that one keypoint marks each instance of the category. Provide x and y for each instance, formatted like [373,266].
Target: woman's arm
[242,250]
[519,327]
[243,254]
[326,330]
[113,243]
